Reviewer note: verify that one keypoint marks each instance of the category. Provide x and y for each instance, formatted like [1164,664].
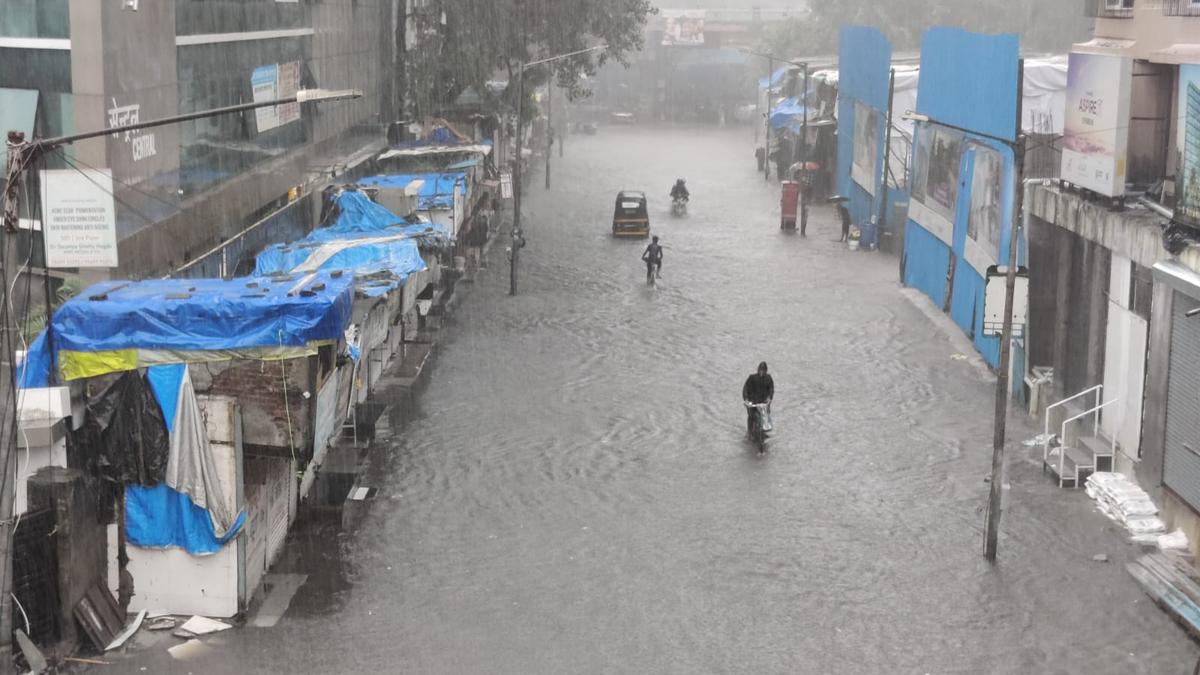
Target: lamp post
[1017,147]
[22,154]
[518,241]
[771,59]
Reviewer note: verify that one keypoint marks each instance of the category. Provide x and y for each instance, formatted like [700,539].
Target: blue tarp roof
[436,193]
[775,80]
[204,314]
[369,237]
[785,114]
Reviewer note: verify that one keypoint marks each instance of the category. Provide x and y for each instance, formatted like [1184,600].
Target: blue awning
[775,80]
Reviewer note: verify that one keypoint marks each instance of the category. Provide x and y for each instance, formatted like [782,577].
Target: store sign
[506,186]
[1096,132]
[268,83]
[79,219]
[684,28]
[1187,200]
[142,142]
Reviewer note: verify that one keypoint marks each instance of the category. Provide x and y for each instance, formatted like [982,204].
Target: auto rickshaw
[630,217]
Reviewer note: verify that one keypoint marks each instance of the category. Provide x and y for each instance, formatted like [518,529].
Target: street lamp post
[518,241]
[22,154]
[1000,416]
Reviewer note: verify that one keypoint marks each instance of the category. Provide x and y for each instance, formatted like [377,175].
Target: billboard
[983,223]
[267,83]
[684,28]
[936,167]
[866,146]
[1096,131]
[1187,199]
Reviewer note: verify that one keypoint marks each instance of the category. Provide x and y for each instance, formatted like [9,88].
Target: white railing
[1062,450]
[1047,438]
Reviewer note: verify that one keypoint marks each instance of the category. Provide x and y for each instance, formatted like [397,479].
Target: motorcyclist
[653,256]
[759,388]
[680,192]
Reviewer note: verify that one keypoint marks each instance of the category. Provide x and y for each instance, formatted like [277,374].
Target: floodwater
[576,494]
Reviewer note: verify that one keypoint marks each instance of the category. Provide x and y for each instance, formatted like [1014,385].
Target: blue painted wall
[864,70]
[968,80]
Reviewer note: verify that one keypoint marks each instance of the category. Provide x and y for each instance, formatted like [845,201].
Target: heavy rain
[594,336]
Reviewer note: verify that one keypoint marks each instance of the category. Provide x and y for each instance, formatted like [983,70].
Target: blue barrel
[870,236]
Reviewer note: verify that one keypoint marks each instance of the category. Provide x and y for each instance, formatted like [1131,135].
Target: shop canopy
[437,192]
[786,113]
[117,326]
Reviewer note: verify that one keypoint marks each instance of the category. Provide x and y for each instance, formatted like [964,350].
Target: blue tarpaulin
[381,263]
[358,215]
[775,80]
[204,314]
[436,193]
[786,113]
[160,517]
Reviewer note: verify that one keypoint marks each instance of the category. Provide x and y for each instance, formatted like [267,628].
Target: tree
[476,39]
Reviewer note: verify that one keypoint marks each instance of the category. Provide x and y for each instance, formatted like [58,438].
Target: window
[1141,288]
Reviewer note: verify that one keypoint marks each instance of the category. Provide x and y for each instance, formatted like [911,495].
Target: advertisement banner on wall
[1096,132]
[983,223]
[264,81]
[684,28]
[1187,200]
[79,218]
[866,147]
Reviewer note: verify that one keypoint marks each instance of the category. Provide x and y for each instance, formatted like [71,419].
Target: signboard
[936,166]
[684,28]
[506,190]
[1187,200]
[983,223]
[79,219]
[268,83]
[1096,132]
[866,146]
[263,83]
[994,298]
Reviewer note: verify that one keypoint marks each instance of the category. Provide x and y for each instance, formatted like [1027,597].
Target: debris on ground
[202,625]
[161,623]
[1124,502]
[1170,581]
[1100,557]
[33,655]
[128,631]
[1038,441]
[1175,541]
[192,649]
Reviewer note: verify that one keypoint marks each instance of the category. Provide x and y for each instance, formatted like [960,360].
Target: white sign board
[264,81]
[506,186]
[79,218]
[994,297]
[1096,133]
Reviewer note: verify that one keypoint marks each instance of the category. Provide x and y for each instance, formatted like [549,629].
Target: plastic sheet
[437,192]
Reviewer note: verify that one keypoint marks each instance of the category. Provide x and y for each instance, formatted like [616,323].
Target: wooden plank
[1176,605]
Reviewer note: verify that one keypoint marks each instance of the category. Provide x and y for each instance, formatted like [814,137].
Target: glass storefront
[34,19]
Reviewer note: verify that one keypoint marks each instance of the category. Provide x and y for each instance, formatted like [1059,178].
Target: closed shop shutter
[1181,470]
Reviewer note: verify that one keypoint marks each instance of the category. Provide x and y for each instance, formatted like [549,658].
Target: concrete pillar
[1154,412]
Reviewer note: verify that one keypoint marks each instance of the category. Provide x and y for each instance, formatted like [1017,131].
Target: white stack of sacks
[1122,500]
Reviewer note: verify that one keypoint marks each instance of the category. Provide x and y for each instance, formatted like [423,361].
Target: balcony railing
[1180,7]
[1110,9]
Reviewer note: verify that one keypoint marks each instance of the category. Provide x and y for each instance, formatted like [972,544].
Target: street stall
[196,399]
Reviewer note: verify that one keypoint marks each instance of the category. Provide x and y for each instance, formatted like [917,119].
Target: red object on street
[789,204]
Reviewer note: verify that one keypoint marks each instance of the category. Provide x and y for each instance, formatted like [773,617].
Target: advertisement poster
[1096,131]
[941,175]
[983,224]
[1187,200]
[289,84]
[866,146]
[79,218]
[684,28]
[264,82]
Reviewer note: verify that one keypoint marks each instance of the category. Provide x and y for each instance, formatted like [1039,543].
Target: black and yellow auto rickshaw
[630,218]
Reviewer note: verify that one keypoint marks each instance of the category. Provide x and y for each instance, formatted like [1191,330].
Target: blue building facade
[962,191]
[864,71]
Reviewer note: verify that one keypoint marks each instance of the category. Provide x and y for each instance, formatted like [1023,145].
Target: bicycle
[652,271]
[758,426]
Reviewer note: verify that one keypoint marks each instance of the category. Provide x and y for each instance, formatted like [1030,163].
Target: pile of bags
[1123,501]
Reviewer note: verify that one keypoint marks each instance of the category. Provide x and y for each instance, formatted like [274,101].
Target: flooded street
[576,494]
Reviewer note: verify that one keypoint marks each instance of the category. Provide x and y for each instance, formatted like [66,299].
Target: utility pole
[549,124]
[992,526]
[770,105]
[518,241]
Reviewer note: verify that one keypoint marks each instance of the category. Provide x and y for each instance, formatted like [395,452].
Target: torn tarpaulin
[125,432]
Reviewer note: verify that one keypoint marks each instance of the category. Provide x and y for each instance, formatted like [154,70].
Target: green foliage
[35,319]
[480,38]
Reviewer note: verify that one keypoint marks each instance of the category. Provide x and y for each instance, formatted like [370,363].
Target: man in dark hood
[759,388]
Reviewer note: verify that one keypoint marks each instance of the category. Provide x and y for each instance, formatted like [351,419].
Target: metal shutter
[1181,470]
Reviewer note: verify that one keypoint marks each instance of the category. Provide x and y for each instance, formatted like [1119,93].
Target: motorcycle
[679,207]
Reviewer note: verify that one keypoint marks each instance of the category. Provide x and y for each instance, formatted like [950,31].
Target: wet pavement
[575,494]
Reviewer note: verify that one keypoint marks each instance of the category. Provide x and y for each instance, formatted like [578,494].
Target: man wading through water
[653,258]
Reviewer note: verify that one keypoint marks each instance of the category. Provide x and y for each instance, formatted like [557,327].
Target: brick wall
[259,388]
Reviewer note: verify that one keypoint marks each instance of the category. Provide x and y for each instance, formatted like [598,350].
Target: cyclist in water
[759,388]
[653,256]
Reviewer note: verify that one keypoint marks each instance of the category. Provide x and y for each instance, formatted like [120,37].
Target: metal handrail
[1046,430]
[1062,455]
